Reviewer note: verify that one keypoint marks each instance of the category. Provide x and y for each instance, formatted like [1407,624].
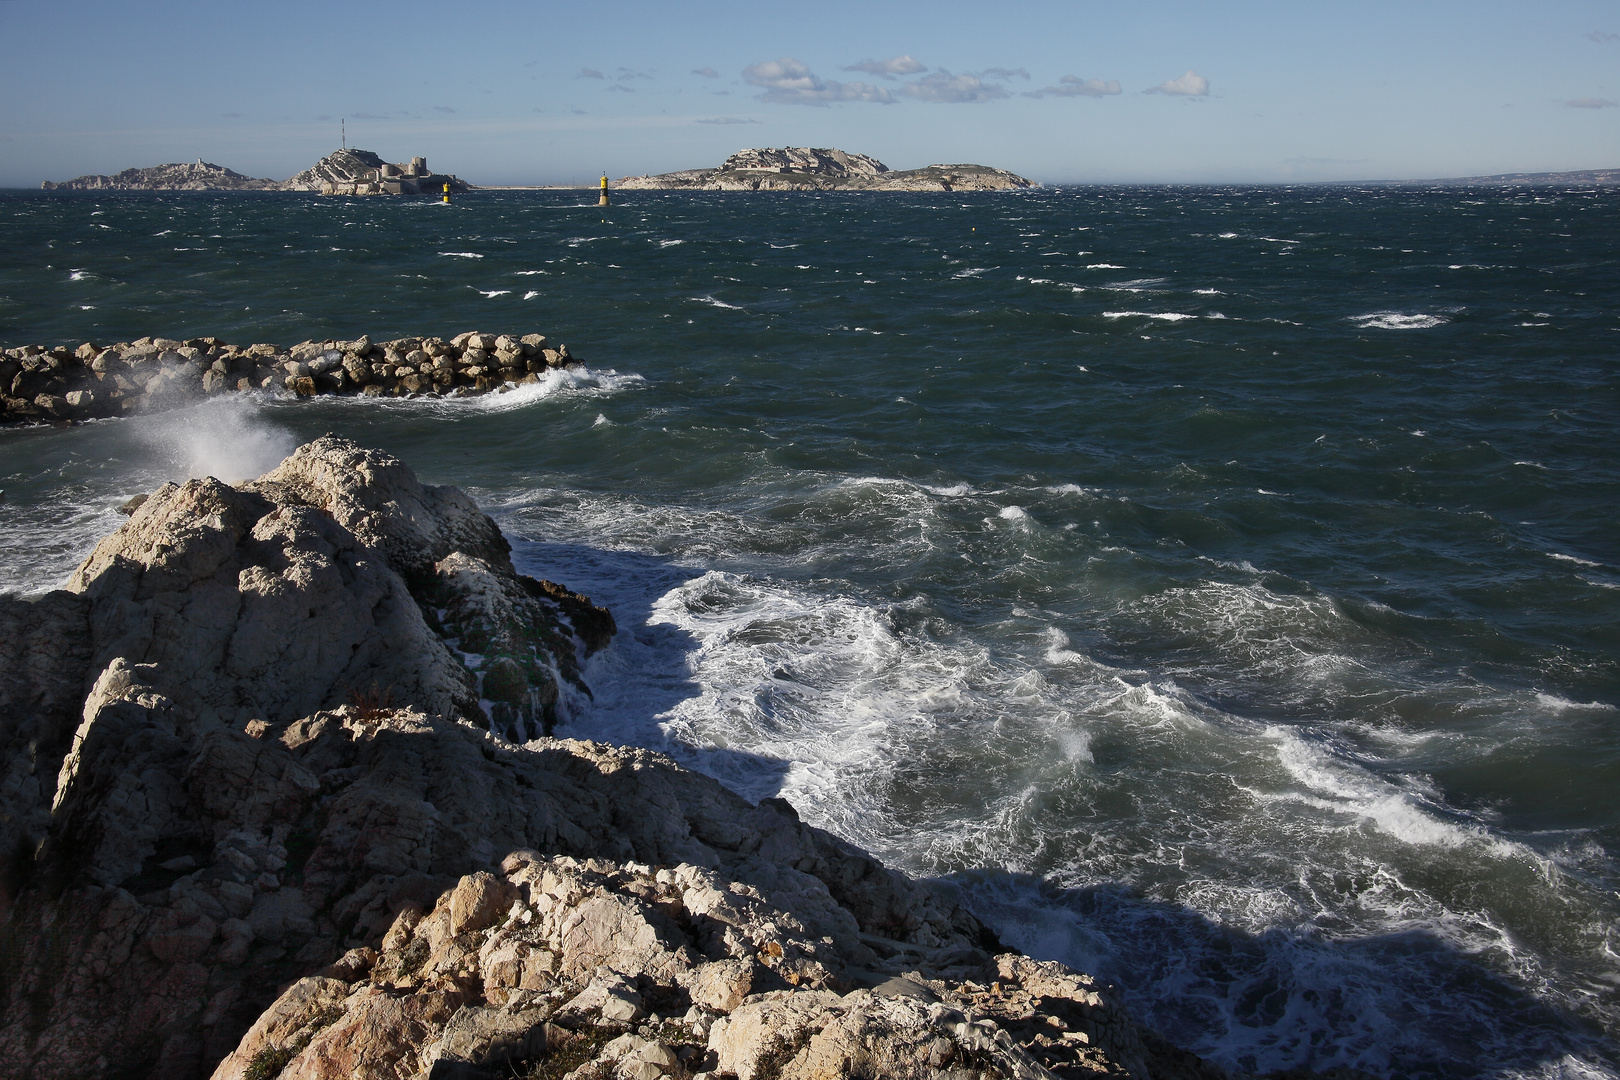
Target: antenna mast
[343,126]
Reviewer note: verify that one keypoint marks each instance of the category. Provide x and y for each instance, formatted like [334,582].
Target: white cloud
[707,73]
[788,82]
[1191,84]
[1075,86]
[899,65]
[1590,103]
[1004,73]
[947,89]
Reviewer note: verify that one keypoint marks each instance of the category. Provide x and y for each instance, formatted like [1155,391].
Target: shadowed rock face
[219,867]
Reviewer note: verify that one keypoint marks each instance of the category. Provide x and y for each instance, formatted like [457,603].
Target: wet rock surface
[260,824]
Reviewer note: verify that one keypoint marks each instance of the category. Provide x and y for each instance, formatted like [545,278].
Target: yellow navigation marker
[447,193]
[603,201]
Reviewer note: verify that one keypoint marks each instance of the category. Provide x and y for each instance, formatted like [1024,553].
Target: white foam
[461,254]
[493,293]
[1104,266]
[670,243]
[711,301]
[1394,320]
[1070,489]
[950,490]
[531,294]
[1568,558]
[972,271]
[1554,703]
[528,273]
[1165,316]
[1209,292]
[1013,513]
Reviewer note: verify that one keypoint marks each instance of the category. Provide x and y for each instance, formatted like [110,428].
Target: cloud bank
[1191,84]
[899,65]
[1075,86]
[946,89]
[788,82]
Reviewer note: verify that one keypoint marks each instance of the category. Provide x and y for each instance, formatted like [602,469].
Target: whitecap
[714,303]
[1570,558]
[1395,320]
[972,271]
[493,293]
[461,254]
[530,295]
[1554,703]
[528,273]
[670,243]
[1104,266]
[1166,316]
[80,275]
[1209,292]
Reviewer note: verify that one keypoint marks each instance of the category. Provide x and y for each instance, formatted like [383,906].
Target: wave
[1394,320]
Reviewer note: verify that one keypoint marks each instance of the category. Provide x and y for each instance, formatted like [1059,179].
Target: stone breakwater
[259,817]
[89,381]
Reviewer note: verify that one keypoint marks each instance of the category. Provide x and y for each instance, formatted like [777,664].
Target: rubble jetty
[90,381]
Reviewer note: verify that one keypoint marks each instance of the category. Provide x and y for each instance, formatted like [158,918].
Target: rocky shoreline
[40,384]
[279,798]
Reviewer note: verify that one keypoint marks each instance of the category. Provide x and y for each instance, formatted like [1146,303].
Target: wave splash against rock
[291,830]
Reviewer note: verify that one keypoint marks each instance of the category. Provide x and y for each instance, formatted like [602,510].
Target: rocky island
[342,172]
[809,169]
[90,381]
[280,797]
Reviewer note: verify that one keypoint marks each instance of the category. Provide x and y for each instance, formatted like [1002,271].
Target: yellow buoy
[603,201]
[447,193]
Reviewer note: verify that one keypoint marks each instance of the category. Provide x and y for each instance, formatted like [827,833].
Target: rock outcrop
[40,384]
[195,176]
[262,822]
[808,169]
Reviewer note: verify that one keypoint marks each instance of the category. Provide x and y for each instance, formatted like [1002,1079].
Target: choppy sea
[1220,585]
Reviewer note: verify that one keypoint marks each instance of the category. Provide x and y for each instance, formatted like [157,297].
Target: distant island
[342,172]
[810,169]
[1582,176]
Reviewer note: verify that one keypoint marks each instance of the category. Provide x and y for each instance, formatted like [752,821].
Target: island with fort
[343,172]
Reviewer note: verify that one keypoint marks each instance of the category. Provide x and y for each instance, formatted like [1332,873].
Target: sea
[1218,586]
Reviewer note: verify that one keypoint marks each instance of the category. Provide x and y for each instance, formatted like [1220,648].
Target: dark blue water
[1222,585]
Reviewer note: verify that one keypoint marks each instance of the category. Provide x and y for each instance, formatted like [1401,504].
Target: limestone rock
[815,169]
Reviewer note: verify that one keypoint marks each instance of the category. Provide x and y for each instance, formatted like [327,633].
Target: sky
[1066,91]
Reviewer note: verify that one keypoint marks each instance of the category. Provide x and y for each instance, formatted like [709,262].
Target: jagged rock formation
[197,176]
[807,169]
[342,172]
[281,837]
[65,383]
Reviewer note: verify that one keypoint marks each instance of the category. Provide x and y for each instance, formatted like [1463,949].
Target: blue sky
[540,92]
